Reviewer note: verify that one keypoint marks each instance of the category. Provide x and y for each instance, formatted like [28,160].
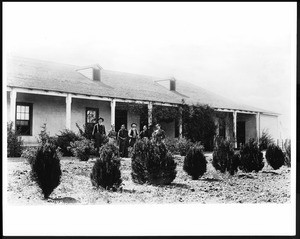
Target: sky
[243,51]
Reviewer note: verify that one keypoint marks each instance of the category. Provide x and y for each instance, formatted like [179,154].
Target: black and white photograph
[149,118]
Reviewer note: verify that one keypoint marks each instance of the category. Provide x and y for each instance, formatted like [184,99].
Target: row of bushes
[151,163]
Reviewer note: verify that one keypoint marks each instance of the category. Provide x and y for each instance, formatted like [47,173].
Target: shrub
[45,168]
[171,145]
[251,157]
[14,142]
[106,171]
[265,140]
[183,145]
[44,136]
[82,148]
[275,156]
[87,130]
[195,162]
[287,152]
[64,139]
[199,125]
[224,158]
[152,163]
[29,154]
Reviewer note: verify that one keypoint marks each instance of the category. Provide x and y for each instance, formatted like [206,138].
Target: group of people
[124,138]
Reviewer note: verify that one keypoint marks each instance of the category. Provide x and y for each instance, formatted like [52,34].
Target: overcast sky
[239,50]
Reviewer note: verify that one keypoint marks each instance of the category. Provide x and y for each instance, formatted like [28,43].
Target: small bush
[44,136]
[14,142]
[152,163]
[251,157]
[86,131]
[287,152]
[29,154]
[82,148]
[195,162]
[183,145]
[265,140]
[106,171]
[45,168]
[64,140]
[171,145]
[275,156]
[224,158]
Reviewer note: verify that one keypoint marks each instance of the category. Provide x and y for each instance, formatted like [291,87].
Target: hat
[133,124]
[100,118]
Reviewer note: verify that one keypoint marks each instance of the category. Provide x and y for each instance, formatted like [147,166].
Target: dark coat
[98,129]
[144,134]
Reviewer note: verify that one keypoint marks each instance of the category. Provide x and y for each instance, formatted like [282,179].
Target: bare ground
[266,186]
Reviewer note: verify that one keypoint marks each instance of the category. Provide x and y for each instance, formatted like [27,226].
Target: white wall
[270,123]
[45,109]
[79,108]
[52,111]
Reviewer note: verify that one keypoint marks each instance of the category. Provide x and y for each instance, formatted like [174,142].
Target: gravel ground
[266,186]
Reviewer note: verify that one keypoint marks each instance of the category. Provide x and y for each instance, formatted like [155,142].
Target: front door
[121,118]
[241,130]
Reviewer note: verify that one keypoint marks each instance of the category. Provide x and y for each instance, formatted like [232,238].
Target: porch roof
[44,75]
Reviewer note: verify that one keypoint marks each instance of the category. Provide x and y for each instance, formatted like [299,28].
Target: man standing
[99,133]
[144,133]
[133,134]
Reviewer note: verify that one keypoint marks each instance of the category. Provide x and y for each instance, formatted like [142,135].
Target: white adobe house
[62,95]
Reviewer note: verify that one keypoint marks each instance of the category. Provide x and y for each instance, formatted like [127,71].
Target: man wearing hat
[99,133]
[133,134]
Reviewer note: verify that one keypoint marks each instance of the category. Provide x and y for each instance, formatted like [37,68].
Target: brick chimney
[92,72]
[170,84]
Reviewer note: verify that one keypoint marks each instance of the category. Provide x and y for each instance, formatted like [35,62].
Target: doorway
[241,133]
[121,118]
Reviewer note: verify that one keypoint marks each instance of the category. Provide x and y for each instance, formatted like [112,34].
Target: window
[24,118]
[91,115]
[222,128]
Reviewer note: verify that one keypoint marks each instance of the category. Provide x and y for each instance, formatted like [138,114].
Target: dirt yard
[266,186]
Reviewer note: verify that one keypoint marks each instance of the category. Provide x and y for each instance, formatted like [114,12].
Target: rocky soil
[266,186]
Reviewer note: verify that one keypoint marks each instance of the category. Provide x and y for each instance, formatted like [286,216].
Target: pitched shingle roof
[43,75]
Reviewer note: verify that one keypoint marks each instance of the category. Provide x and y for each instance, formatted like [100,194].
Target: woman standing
[159,134]
[123,141]
[112,135]
[133,134]
[99,133]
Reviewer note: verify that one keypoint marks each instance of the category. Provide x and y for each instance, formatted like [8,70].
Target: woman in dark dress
[144,133]
[123,141]
[159,134]
[133,134]
[99,133]
[112,135]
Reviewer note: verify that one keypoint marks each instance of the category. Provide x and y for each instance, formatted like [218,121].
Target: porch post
[150,106]
[235,128]
[113,112]
[13,103]
[258,126]
[180,122]
[68,111]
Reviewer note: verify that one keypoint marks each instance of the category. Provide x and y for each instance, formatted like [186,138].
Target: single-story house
[62,95]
